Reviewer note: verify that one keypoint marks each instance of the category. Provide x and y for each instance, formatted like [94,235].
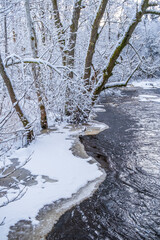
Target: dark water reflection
[127,204]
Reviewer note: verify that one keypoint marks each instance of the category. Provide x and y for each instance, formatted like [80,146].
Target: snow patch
[148,98]
[147,84]
[50,156]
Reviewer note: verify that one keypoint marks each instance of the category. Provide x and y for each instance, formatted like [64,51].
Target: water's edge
[51,213]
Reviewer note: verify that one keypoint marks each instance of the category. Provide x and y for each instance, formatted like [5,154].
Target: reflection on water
[127,204]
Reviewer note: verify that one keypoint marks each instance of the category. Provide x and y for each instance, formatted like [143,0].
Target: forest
[57,58]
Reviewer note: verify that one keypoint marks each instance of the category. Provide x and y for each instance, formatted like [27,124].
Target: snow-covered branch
[152,12]
[121,84]
[5,10]
[30,60]
[107,72]
[17,197]
[18,60]
[2,175]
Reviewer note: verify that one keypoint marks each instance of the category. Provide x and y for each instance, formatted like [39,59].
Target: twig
[23,164]
[121,84]
[19,196]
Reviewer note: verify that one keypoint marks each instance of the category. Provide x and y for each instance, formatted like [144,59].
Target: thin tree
[15,102]
[60,30]
[92,42]
[107,71]
[35,68]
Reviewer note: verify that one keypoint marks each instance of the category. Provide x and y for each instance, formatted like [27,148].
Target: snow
[99,108]
[148,98]
[147,83]
[50,156]
[95,128]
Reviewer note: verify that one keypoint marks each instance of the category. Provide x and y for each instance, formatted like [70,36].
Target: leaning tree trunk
[36,69]
[15,102]
[107,72]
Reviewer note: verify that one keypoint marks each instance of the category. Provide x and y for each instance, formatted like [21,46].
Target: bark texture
[92,41]
[107,72]
[60,30]
[36,69]
[15,102]
[73,33]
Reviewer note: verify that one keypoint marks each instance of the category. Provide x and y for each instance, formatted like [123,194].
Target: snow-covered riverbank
[58,174]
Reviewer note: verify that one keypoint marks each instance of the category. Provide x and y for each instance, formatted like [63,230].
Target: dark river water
[127,203]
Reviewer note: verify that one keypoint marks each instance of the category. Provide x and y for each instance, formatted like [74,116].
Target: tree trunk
[73,35]
[107,72]
[36,69]
[15,102]
[92,42]
[70,57]
[60,30]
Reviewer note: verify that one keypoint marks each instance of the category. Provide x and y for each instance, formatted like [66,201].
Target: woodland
[57,57]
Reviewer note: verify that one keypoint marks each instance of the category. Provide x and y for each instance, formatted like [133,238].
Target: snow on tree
[60,56]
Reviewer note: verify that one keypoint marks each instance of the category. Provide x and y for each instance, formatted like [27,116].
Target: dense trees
[59,56]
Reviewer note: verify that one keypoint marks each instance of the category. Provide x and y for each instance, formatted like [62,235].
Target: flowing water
[127,204]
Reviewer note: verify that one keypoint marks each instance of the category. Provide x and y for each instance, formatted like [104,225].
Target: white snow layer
[50,156]
[149,98]
[147,83]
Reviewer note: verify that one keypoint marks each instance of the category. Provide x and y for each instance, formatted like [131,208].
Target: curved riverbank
[58,176]
[50,214]
[126,205]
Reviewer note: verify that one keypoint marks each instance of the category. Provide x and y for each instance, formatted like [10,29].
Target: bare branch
[135,51]
[35,60]
[5,10]
[152,12]
[14,170]
[32,60]
[14,101]
[121,84]
[17,197]
[152,4]
[3,222]
[107,72]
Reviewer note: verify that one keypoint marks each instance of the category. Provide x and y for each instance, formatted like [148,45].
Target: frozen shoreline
[64,188]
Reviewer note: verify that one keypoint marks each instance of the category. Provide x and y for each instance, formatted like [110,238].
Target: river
[127,204]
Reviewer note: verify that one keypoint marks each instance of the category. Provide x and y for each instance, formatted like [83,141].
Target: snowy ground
[57,175]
